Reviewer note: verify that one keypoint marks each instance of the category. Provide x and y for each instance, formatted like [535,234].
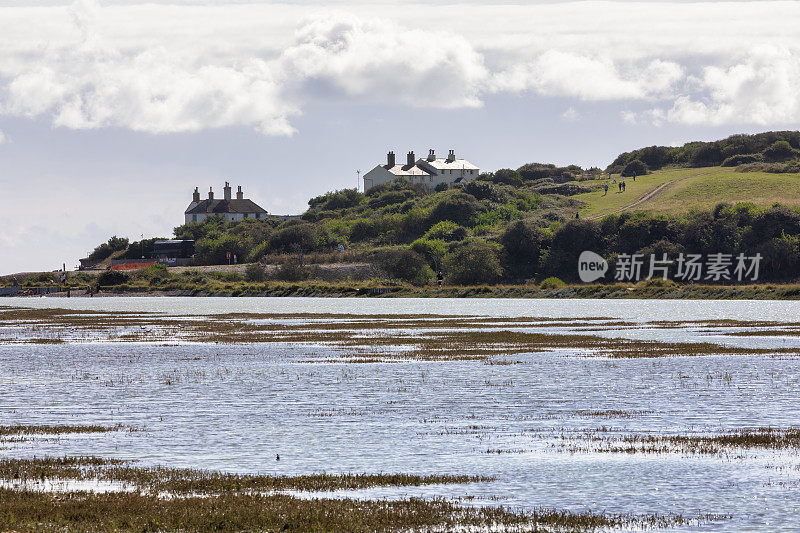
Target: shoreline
[342,290]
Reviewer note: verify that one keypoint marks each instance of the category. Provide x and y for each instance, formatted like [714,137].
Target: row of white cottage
[430,171]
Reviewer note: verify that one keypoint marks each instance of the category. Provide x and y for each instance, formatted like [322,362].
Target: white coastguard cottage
[228,208]
[430,171]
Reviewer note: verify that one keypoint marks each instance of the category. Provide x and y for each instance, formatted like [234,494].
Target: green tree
[635,168]
[473,263]
[404,264]
[523,242]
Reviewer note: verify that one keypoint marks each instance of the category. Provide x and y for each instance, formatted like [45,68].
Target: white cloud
[3,138]
[761,88]
[571,115]
[163,68]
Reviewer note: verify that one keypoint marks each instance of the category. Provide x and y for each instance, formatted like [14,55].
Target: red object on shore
[132,266]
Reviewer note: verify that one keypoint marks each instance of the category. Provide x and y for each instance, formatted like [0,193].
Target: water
[234,407]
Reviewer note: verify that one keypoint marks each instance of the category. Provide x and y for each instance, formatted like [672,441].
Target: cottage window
[194,218]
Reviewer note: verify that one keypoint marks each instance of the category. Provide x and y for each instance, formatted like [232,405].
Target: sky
[112,112]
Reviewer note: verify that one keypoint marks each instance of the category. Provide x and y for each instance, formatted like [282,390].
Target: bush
[404,264]
[459,208]
[707,155]
[635,168]
[472,264]
[296,238]
[742,159]
[568,242]
[254,272]
[447,231]
[153,274]
[101,252]
[522,241]
[336,200]
[779,151]
[111,277]
[505,176]
[292,270]
[432,249]
[441,187]
[258,252]
[551,283]
[214,249]
[114,244]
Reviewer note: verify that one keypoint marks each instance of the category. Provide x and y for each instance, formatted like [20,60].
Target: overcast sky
[112,112]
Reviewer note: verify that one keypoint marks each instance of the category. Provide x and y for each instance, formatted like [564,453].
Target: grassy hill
[513,226]
[678,191]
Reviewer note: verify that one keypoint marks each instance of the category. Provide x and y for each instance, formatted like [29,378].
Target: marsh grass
[766,438]
[374,337]
[82,511]
[20,429]
[187,481]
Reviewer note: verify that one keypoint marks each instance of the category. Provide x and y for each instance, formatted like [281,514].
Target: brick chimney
[451,156]
[410,159]
[239,193]
[196,195]
[431,155]
[210,193]
[390,159]
[226,190]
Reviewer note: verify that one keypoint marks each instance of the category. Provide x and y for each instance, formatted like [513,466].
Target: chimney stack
[451,156]
[210,193]
[390,159]
[227,191]
[431,155]
[410,159]
[239,193]
[196,195]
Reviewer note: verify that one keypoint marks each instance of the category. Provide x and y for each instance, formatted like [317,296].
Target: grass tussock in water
[762,438]
[376,337]
[21,429]
[81,511]
[187,481]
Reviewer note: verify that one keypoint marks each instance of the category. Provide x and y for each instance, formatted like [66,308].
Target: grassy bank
[399,290]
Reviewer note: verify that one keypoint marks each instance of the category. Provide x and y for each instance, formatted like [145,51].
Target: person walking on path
[606,189]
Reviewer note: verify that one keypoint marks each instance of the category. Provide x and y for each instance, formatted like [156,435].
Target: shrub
[742,159]
[292,270]
[506,176]
[154,273]
[539,171]
[635,168]
[551,283]
[214,249]
[568,242]
[111,277]
[432,249]
[441,187]
[484,190]
[337,200]
[459,208]
[779,151]
[404,264]
[296,238]
[447,231]
[364,228]
[258,252]
[254,272]
[707,155]
[522,241]
[100,252]
[474,263]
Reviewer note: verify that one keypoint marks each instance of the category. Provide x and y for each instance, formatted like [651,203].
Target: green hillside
[513,226]
[677,191]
